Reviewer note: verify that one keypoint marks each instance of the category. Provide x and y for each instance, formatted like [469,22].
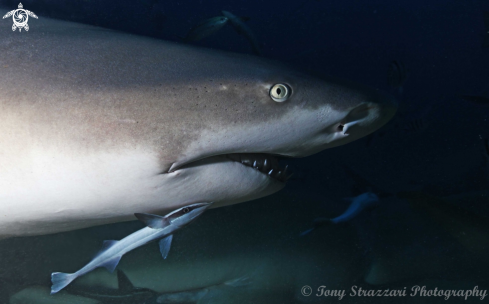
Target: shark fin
[153,221]
[123,281]
[165,245]
[112,263]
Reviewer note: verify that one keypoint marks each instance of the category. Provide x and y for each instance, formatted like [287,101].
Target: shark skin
[96,125]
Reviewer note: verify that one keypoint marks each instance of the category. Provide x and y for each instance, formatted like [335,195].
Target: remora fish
[126,292]
[358,204]
[96,125]
[159,227]
[244,30]
[206,28]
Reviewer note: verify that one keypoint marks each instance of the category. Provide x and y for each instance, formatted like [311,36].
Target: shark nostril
[340,128]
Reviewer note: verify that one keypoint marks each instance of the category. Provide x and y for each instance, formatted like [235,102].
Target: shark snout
[369,116]
[361,119]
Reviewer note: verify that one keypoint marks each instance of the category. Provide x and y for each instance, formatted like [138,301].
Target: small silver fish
[159,227]
[206,28]
[396,75]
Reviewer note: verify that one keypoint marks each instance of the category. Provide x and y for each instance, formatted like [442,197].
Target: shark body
[96,125]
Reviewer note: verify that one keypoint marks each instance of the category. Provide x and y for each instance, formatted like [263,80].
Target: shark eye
[185,210]
[280,92]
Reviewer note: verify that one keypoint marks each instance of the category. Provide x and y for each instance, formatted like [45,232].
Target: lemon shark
[96,125]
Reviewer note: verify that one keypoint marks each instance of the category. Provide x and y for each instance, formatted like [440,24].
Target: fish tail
[61,280]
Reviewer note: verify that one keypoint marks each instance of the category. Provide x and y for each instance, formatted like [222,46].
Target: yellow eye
[280,92]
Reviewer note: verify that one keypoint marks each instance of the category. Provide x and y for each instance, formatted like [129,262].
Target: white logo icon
[20,17]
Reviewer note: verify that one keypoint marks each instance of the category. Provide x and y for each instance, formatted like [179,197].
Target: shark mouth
[265,163]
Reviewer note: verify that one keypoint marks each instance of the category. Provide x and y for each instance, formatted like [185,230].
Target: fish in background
[396,75]
[205,28]
[243,29]
[158,227]
[125,293]
[358,204]
[486,34]
[236,262]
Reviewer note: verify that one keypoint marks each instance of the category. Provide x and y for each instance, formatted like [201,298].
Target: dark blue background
[440,43]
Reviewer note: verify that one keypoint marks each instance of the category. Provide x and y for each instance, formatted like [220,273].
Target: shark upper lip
[265,163]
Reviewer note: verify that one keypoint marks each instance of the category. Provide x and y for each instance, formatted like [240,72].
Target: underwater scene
[275,152]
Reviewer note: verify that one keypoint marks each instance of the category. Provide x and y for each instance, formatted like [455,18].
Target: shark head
[254,112]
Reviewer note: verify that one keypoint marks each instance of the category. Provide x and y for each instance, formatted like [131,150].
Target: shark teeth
[264,163]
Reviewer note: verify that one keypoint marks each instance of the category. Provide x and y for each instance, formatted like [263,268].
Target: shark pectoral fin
[153,221]
[112,263]
[165,245]
[123,281]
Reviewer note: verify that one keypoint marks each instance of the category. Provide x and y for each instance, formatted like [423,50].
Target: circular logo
[20,18]
[306,290]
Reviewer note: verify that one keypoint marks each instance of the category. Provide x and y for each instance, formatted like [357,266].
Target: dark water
[397,245]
